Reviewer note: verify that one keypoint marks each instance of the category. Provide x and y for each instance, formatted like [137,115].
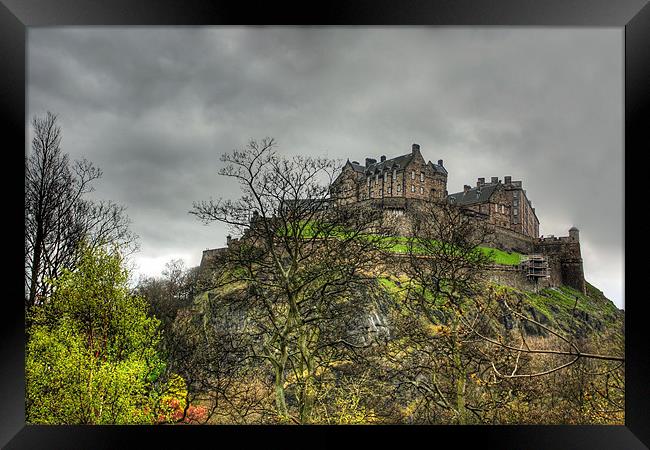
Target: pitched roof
[399,162]
[474,195]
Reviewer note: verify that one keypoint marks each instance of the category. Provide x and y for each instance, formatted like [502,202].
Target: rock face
[371,326]
[566,311]
[366,320]
[367,323]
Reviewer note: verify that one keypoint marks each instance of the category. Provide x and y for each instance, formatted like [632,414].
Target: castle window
[412,174]
[385,175]
[399,188]
[368,180]
[515,212]
[503,209]
[496,208]
[377,179]
[412,188]
[390,190]
[394,174]
[421,190]
[421,176]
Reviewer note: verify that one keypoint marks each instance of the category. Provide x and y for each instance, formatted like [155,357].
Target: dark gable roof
[399,162]
[474,195]
[438,168]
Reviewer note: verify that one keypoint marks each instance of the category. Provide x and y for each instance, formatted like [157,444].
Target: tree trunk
[308,390]
[461,378]
[280,396]
[36,265]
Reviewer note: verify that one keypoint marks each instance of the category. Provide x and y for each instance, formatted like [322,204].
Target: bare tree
[57,216]
[446,268]
[463,364]
[296,265]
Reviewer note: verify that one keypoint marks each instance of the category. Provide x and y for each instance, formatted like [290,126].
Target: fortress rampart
[397,186]
[562,254]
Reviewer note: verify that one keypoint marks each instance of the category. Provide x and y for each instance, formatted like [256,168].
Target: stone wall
[565,260]
[210,257]
[512,241]
[512,276]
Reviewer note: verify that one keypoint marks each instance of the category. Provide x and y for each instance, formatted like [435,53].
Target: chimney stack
[228,240]
[466,188]
[370,161]
[507,179]
[440,162]
[480,182]
[383,158]
[415,148]
[495,180]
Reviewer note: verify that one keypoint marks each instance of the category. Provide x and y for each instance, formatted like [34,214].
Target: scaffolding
[535,267]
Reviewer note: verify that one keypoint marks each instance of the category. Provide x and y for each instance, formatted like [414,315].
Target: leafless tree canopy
[299,260]
[57,215]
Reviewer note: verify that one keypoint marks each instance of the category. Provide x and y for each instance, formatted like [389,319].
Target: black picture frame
[17,15]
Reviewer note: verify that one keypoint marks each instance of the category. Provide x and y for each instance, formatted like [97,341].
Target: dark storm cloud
[155,107]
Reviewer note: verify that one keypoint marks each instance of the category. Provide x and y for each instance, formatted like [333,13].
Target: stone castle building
[397,184]
[405,177]
[394,183]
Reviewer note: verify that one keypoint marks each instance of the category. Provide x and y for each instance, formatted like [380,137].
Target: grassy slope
[554,307]
[399,244]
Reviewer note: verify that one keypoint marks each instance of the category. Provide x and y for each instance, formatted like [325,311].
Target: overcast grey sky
[155,107]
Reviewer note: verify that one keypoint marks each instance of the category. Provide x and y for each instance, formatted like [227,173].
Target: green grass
[558,303]
[498,256]
[400,244]
[502,257]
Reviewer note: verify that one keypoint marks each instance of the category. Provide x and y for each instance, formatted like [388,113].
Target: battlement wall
[511,241]
[210,256]
[565,260]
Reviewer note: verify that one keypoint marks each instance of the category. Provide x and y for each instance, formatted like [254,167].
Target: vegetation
[399,244]
[91,356]
[425,340]
[58,216]
[316,315]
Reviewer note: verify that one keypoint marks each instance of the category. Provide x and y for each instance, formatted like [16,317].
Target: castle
[396,184]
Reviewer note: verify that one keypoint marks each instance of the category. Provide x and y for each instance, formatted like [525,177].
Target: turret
[574,234]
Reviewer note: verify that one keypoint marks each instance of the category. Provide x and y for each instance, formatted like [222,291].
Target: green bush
[91,355]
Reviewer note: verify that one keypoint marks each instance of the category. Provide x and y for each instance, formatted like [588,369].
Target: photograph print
[414,225]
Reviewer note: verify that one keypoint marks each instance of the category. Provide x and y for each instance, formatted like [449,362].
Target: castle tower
[565,259]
